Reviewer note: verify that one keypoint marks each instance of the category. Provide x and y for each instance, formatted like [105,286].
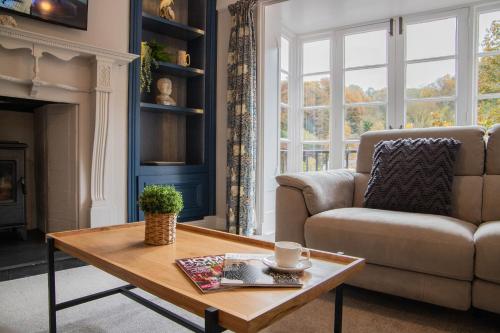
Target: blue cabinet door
[194,189]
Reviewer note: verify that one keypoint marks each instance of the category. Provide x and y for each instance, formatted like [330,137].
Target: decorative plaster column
[100,211]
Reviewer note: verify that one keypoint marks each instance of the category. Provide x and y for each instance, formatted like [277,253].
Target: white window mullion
[337,64]
[464,94]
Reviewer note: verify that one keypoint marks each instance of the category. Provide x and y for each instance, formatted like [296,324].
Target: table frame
[211,314]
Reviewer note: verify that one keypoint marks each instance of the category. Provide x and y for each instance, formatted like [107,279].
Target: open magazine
[205,271]
[248,270]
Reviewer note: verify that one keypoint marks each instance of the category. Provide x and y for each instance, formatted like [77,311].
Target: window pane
[488,112]
[315,157]
[431,39]
[430,114]
[364,49]
[285,54]
[316,124]
[489,28]
[284,122]
[430,79]
[283,157]
[284,88]
[351,155]
[360,119]
[317,90]
[489,74]
[316,57]
[366,85]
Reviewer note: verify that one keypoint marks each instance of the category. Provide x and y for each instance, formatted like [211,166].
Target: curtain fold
[242,119]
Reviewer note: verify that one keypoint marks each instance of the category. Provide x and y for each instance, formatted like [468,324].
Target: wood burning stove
[12,186]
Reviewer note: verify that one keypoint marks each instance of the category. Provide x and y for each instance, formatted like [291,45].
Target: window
[284,112]
[430,82]
[365,87]
[316,105]
[409,72]
[488,68]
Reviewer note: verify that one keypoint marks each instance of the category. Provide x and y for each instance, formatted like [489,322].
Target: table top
[120,251]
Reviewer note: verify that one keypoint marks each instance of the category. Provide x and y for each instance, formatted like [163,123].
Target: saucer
[301,266]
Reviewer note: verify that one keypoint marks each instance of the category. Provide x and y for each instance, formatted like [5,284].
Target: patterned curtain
[242,119]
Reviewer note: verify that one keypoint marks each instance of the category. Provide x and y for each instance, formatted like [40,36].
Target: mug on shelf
[183,58]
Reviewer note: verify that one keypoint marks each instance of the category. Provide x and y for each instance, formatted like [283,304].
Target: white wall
[108,27]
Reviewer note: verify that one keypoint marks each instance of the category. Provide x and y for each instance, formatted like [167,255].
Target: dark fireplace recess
[12,186]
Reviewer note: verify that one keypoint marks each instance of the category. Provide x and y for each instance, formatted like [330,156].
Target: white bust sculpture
[164,86]
[166,10]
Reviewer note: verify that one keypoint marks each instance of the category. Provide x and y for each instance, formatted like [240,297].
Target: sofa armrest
[322,190]
[301,195]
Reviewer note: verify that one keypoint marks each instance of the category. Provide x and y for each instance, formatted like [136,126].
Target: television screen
[71,13]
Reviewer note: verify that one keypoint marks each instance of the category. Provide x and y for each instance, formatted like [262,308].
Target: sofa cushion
[413,175]
[487,240]
[493,151]
[470,158]
[432,244]
[466,196]
[491,198]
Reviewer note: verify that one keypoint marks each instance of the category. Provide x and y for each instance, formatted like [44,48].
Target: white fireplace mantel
[101,64]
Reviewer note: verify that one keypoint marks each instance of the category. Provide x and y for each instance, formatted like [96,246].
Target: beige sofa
[452,261]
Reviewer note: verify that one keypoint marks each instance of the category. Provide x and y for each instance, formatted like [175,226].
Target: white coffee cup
[287,254]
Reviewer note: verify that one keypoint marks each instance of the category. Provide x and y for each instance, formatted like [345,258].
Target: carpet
[23,308]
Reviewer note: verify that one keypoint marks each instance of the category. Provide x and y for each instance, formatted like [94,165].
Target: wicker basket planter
[160,228]
[161,204]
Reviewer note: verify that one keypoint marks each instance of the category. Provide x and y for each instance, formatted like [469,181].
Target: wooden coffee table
[120,251]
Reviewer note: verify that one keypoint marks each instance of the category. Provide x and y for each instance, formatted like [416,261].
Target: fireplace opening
[38,176]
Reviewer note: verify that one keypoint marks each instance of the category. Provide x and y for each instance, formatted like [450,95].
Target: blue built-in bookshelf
[174,145]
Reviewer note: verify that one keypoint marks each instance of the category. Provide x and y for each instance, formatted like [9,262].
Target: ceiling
[305,16]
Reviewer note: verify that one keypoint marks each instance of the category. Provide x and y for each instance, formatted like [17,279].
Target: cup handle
[188,59]
[308,253]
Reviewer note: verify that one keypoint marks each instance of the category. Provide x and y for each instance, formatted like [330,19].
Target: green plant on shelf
[162,199]
[151,53]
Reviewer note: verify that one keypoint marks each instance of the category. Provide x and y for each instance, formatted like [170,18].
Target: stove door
[12,204]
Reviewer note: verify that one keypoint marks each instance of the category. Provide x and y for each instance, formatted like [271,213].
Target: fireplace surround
[41,67]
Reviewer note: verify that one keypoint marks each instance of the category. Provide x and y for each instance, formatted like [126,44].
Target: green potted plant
[161,204]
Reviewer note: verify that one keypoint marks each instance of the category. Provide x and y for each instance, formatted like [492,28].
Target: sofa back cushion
[491,192]
[467,187]
[466,196]
[470,158]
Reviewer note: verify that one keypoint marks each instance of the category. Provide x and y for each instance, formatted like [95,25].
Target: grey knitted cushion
[413,175]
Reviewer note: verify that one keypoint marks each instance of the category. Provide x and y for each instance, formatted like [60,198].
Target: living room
[347,152]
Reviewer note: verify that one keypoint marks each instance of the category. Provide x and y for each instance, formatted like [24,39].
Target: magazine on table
[205,272]
[248,270]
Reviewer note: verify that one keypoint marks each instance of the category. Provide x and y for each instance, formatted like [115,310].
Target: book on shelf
[248,270]
[205,272]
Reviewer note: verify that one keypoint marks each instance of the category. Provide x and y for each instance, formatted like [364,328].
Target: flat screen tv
[71,13]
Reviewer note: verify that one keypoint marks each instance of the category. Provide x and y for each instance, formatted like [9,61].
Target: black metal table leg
[212,321]
[339,299]
[52,285]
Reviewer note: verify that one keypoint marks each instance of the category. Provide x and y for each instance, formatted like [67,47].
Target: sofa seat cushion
[487,241]
[432,244]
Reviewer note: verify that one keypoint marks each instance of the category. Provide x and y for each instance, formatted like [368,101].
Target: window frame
[476,96]
[301,40]
[461,59]
[341,142]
